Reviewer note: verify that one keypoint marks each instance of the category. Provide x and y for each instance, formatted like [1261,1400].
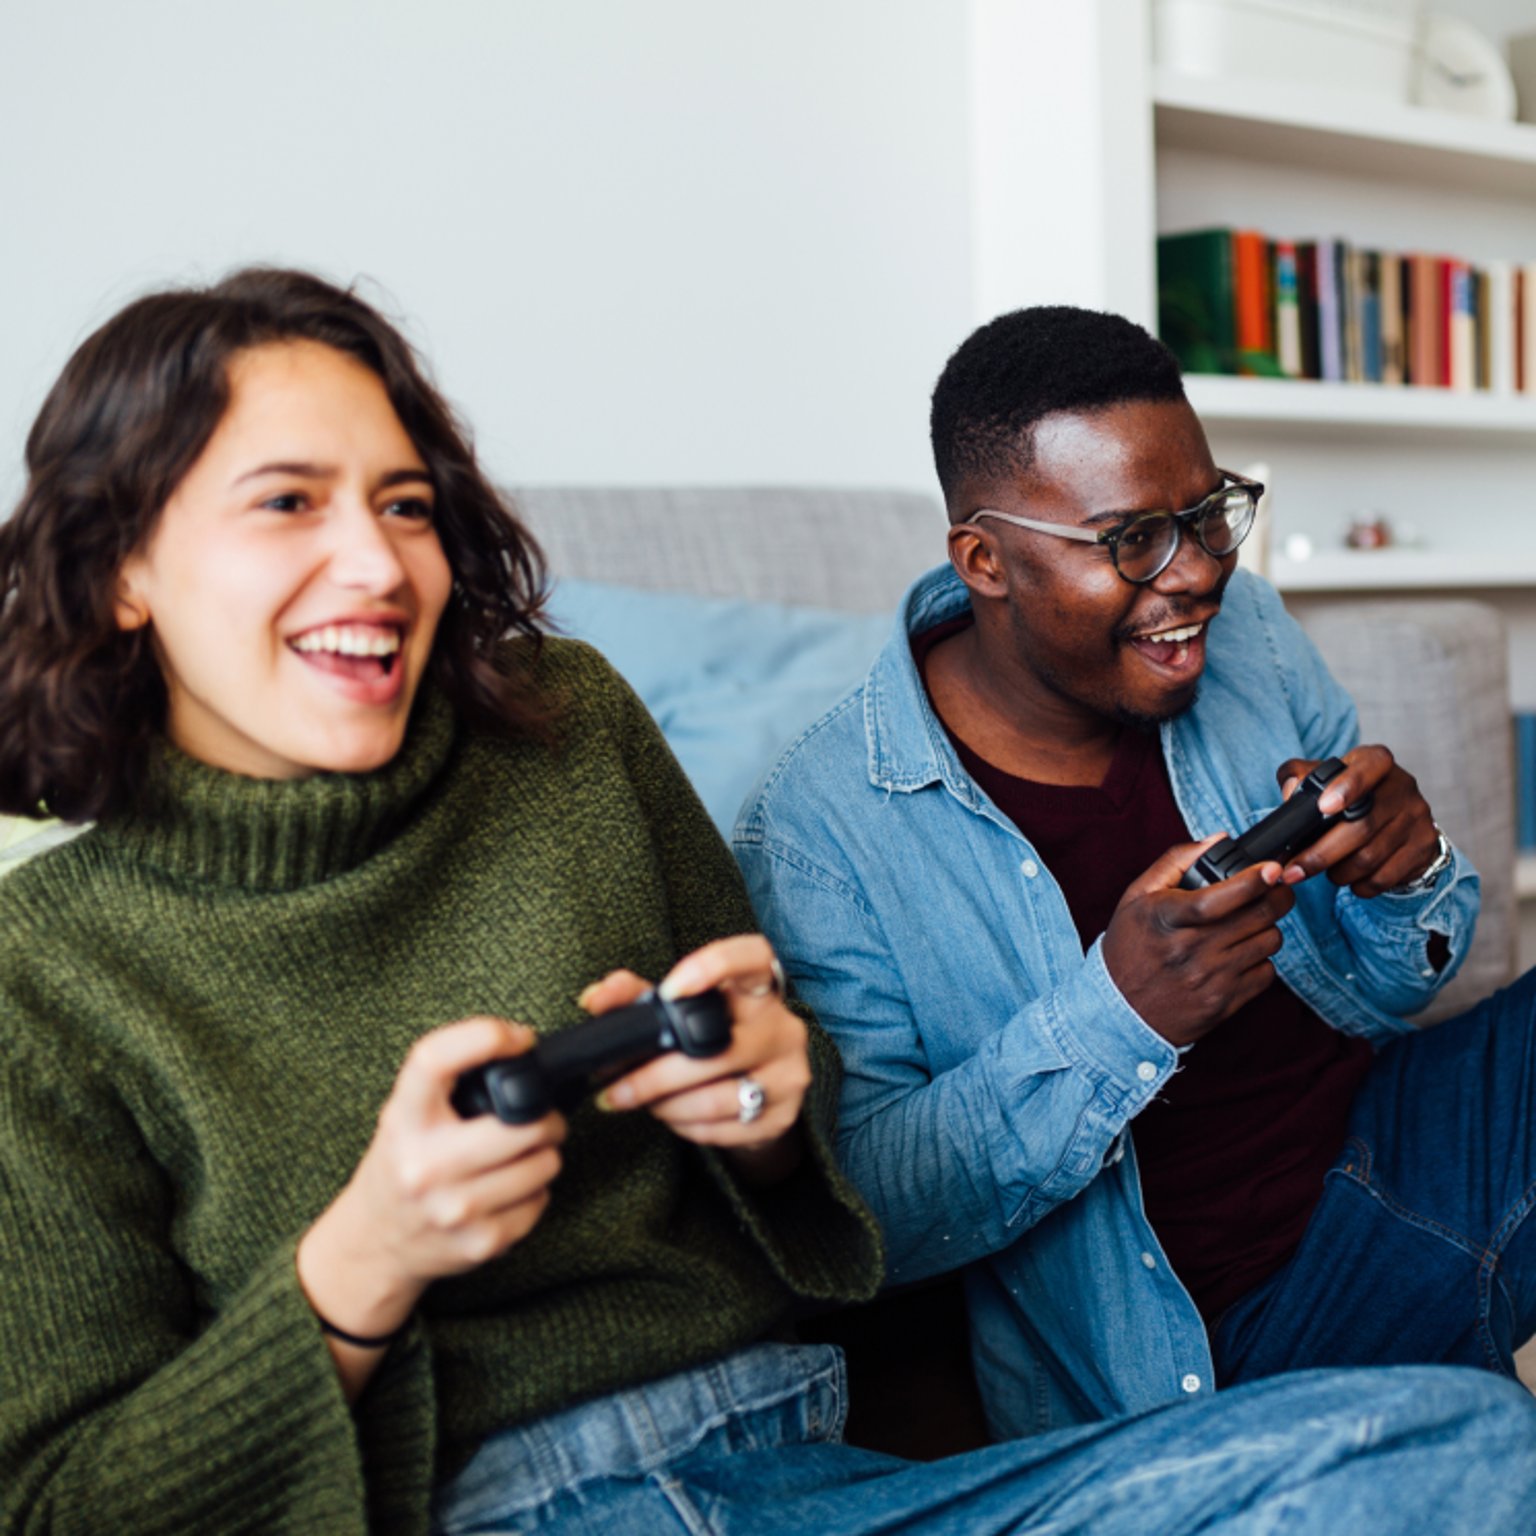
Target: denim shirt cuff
[1095,1024]
[1448,907]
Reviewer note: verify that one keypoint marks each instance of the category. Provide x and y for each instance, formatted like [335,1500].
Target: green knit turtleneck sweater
[202,1009]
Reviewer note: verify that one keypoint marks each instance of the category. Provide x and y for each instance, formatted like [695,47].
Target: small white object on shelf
[1461,70]
[1522,69]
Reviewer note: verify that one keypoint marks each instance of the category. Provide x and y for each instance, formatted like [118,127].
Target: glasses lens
[1145,546]
[1225,520]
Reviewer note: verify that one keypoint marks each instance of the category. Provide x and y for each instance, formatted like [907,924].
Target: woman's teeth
[350,640]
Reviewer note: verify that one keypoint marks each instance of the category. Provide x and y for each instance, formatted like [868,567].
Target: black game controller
[1290,827]
[562,1069]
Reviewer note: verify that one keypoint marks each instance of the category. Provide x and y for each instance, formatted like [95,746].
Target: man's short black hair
[1024,365]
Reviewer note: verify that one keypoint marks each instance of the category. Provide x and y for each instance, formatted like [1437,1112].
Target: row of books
[1235,301]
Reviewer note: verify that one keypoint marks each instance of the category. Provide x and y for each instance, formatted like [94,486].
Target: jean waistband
[631,1433]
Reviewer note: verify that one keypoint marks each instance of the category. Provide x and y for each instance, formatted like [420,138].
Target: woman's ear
[129,607]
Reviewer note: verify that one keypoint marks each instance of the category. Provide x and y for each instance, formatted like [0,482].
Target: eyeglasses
[1143,546]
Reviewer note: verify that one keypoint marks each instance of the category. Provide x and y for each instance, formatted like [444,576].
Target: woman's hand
[702,1100]
[434,1194]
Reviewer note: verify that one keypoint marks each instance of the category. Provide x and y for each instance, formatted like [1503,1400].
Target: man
[1174,1139]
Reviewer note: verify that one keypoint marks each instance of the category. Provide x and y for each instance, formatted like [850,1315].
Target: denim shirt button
[1029,869]
[1191,1383]
[1146,1071]
[1149,1261]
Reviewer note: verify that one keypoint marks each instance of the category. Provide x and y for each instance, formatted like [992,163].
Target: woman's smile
[294,581]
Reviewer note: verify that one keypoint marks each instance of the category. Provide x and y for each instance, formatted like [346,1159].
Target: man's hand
[1393,843]
[1186,960]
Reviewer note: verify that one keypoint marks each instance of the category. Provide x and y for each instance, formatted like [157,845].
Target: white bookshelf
[1338,134]
[1455,470]
[1081,162]
[1316,405]
[1400,570]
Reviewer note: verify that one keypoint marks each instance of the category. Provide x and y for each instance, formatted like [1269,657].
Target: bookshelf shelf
[1335,134]
[1306,402]
[1402,570]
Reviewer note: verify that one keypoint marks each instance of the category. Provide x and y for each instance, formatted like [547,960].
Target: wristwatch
[1444,857]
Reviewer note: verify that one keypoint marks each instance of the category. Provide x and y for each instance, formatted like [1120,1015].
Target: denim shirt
[992,1069]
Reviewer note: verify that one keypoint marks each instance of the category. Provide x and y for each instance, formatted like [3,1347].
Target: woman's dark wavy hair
[80,698]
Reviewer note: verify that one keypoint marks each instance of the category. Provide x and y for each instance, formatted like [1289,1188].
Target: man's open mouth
[1170,647]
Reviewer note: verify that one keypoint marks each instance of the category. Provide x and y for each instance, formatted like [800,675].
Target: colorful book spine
[1368,305]
[1197,299]
[1528,326]
[1288,350]
[1390,290]
[1330,320]
[1426,321]
[1306,304]
[1255,341]
[1460,327]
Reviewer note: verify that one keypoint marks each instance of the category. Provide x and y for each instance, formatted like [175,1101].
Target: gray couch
[1429,676]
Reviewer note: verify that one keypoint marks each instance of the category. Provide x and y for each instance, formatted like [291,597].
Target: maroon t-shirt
[1233,1150]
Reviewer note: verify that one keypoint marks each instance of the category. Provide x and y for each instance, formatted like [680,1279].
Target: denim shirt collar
[909,748]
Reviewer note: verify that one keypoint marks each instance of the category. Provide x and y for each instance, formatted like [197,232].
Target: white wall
[677,241]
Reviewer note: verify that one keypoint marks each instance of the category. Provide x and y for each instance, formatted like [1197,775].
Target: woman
[267,627]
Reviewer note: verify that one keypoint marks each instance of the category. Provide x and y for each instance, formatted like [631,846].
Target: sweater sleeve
[123,1406]
[814,1229]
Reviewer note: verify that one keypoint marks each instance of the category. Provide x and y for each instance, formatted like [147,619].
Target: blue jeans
[1422,1249]
[750,1445]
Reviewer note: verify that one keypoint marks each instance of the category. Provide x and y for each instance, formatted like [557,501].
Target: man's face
[1079,633]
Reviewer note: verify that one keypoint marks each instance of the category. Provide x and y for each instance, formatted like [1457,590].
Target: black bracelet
[358,1340]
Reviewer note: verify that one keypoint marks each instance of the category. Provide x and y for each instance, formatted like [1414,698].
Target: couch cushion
[730,683]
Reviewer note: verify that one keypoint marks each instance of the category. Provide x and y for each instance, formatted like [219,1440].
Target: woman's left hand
[704,1100]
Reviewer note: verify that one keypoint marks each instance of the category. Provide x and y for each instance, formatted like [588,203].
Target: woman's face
[294,580]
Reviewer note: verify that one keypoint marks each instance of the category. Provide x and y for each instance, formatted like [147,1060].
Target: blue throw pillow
[731,683]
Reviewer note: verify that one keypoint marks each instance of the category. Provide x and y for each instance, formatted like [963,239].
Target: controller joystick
[562,1069]
[1288,829]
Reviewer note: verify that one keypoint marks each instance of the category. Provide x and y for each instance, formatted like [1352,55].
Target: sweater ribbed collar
[225,829]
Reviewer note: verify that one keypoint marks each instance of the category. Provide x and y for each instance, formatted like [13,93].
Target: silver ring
[750,1099]
[775,986]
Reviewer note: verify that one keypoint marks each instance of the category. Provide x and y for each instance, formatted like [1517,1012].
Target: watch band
[1444,857]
